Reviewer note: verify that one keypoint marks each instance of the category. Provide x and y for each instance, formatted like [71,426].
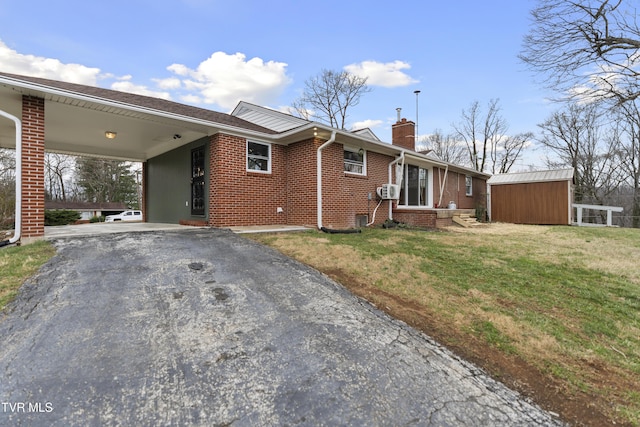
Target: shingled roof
[151,103]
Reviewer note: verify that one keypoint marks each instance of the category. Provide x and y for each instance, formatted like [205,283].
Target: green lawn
[17,263]
[563,301]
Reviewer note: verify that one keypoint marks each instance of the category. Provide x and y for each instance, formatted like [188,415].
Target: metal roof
[267,118]
[536,176]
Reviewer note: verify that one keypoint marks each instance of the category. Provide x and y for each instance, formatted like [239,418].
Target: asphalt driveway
[202,327]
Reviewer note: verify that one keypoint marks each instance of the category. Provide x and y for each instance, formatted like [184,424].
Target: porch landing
[431,218]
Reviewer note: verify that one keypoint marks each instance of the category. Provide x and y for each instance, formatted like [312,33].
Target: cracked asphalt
[203,327]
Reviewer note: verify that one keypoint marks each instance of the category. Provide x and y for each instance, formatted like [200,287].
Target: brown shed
[542,197]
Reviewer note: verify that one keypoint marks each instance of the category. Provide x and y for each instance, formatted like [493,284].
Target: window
[354,161]
[468,183]
[258,157]
[415,186]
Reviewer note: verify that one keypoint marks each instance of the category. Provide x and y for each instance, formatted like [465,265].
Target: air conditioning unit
[389,192]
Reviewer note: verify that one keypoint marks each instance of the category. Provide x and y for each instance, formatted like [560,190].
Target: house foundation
[430,218]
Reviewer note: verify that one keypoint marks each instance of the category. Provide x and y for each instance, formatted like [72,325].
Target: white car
[125,216]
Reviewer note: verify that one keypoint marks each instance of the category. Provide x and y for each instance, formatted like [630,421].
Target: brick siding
[301,182]
[455,190]
[345,195]
[418,218]
[403,134]
[239,197]
[32,167]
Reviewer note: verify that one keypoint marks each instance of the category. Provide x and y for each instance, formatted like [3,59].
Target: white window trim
[429,205]
[246,159]
[364,160]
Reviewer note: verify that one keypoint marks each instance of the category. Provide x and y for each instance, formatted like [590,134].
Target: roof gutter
[319,176]
[18,214]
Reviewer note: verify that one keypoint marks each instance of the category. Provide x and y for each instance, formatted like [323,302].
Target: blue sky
[214,53]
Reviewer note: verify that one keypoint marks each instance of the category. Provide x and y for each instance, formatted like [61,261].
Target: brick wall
[240,197]
[455,190]
[418,218]
[32,167]
[301,182]
[346,195]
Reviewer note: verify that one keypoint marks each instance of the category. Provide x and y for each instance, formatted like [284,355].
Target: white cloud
[48,68]
[371,124]
[387,74]
[171,83]
[221,79]
[225,79]
[126,85]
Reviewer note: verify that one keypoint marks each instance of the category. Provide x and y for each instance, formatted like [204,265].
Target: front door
[197,181]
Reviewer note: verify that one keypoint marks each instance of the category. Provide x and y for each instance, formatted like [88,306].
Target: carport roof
[77,116]
[130,99]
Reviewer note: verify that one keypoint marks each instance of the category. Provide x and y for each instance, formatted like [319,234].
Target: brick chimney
[403,133]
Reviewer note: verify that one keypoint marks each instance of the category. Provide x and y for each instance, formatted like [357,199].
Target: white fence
[609,209]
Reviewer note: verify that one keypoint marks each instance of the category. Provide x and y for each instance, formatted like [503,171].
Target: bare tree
[445,147]
[577,138]
[586,48]
[58,173]
[482,133]
[7,187]
[329,96]
[508,150]
[629,156]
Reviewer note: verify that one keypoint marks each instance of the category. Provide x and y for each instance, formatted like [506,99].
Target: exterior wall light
[110,135]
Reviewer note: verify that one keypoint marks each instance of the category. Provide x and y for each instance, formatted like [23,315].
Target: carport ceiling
[77,126]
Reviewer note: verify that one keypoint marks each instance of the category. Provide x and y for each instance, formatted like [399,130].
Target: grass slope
[553,311]
[17,263]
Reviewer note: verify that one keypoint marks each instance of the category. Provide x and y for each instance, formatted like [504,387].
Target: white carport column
[32,213]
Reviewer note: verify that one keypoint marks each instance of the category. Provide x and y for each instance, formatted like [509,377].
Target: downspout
[395,162]
[18,214]
[489,204]
[319,176]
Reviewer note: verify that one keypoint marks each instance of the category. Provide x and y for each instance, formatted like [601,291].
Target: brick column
[32,168]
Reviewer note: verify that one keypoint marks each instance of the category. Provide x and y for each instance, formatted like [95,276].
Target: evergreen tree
[103,180]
